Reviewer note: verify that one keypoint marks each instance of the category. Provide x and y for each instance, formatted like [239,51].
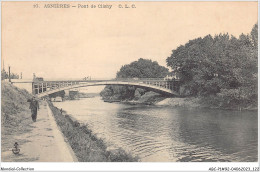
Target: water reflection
[223,135]
[170,134]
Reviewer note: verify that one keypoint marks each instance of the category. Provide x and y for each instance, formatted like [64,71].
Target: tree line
[222,70]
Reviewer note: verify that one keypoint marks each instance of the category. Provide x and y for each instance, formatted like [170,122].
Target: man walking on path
[34,106]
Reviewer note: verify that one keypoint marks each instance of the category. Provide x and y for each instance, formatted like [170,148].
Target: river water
[162,133]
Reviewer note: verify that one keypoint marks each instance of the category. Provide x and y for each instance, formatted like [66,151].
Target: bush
[231,99]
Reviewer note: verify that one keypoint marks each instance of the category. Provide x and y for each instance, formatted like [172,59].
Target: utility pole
[9,73]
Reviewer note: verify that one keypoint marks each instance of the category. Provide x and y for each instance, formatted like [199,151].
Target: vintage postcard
[105,81]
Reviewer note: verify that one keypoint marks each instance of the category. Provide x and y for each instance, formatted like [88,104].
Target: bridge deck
[161,85]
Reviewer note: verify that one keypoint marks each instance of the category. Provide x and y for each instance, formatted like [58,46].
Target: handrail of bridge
[115,79]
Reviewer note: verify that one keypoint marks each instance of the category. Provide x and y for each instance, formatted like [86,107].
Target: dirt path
[44,143]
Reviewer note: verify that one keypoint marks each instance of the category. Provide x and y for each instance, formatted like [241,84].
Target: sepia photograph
[129,81]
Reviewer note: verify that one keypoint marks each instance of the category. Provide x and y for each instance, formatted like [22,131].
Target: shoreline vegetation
[151,98]
[85,144]
[148,98]
[186,102]
[197,103]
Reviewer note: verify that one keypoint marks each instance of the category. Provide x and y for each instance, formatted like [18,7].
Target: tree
[218,66]
[143,68]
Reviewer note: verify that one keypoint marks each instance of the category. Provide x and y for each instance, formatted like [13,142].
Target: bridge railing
[139,79]
[115,79]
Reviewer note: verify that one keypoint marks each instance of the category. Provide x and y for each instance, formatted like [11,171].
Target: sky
[78,42]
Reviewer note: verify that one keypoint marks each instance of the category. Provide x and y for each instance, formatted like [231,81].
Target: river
[163,133]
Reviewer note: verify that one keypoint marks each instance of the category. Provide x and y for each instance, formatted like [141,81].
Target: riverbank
[193,102]
[152,98]
[180,102]
[86,146]
[148,98]
[39,141]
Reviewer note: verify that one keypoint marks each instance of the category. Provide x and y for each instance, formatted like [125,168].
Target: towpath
[44,143]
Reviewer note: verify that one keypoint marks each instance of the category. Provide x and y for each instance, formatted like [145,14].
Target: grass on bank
[15,114]
[86,146]
[13,101]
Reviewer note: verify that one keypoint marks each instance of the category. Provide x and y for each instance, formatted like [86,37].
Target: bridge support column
[42,87]
[36,88]
[45,87]
[33,91]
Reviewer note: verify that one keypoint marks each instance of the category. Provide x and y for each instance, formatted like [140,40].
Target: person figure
[34,106]
[16,149]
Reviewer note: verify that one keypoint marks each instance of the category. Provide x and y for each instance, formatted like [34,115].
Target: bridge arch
[162,90]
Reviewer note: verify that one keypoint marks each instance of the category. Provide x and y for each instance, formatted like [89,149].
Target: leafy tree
[143,68]
[219,66]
